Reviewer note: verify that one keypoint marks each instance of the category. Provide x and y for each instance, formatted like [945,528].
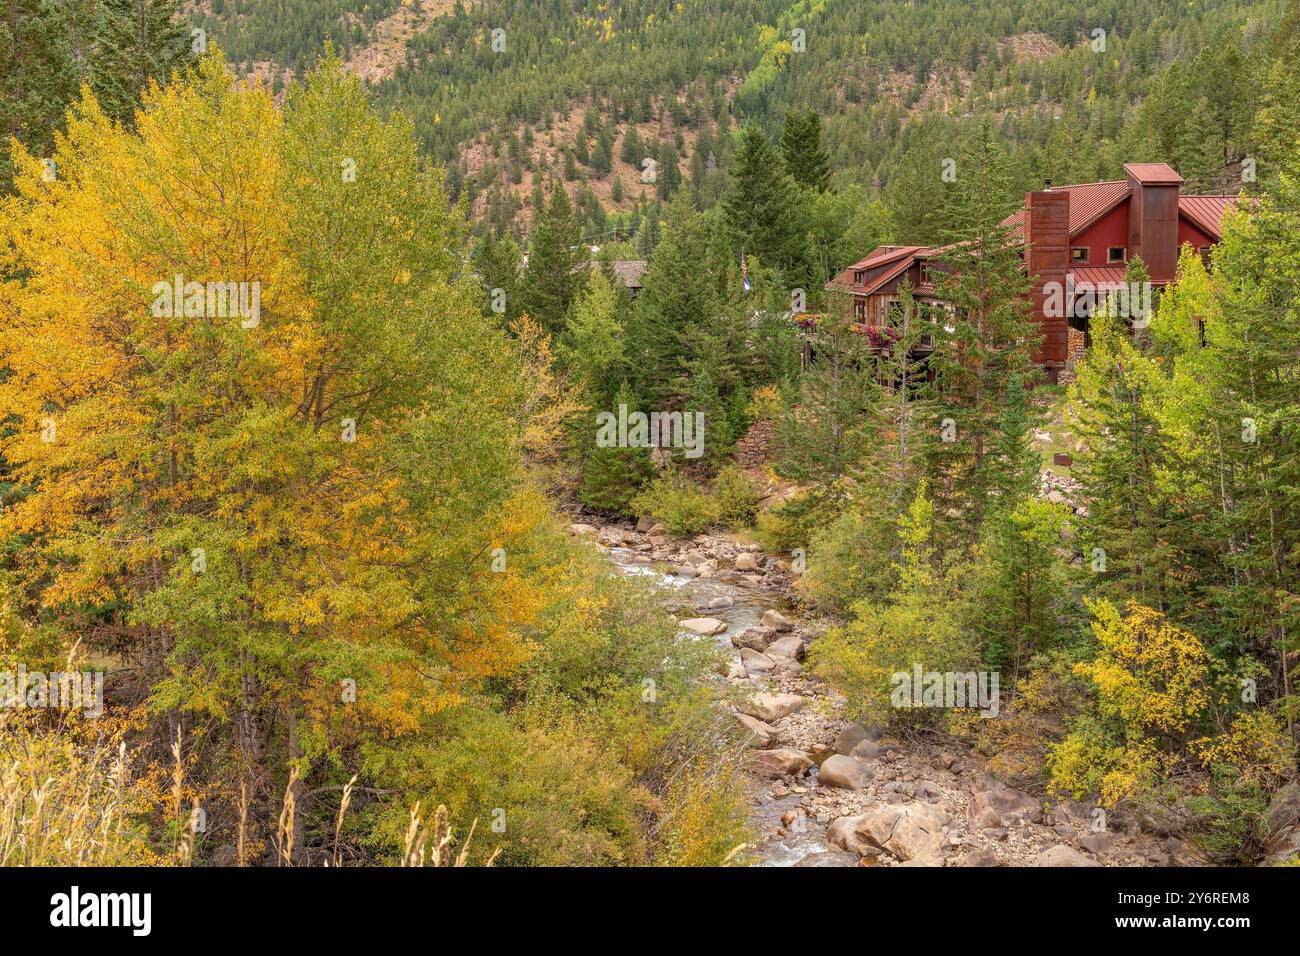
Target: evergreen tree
[592,348]
[39,75]
[557,264]
[141,40]
[801,149]
[496,261]
[993,335]
[762,210]
[823,440]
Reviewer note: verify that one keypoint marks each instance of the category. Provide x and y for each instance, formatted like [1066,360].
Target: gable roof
[1088,203]
[1207,211]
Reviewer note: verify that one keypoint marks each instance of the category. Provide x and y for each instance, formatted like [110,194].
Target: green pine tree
[557,264]
[806,160]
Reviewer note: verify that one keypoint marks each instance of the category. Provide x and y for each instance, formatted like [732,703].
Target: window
[859,309]
[1079,254]
[1115,254]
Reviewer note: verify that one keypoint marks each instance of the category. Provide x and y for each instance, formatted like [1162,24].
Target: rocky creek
[831,792]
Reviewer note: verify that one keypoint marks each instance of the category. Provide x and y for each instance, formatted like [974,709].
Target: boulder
[787,666]
[721,603]
[763,734]
[756,661]
[696,558]
[755,638]
[1062,855]
[579,528]
[1097,843]
[789,646]
[912,832]
[776,621]
[771,707]
[853,734]
[645,523]
[866,751]
[844,772]
[843,833]
[746,562]
[1011,806]
[782,762]
[684,571]
[981,857]
[986,819]
[703,625]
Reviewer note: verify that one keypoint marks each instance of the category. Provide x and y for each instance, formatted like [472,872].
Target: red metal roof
[1088,203]
[1153,174]
[1207,211]
[903,255]
[901,266]
[883,254]
[1099,277]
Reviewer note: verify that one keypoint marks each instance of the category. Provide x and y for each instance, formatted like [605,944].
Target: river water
[690,597]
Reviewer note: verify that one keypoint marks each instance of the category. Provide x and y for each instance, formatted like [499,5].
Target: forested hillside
[1074,89]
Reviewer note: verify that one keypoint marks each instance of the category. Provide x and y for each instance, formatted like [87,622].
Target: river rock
[703,625]
[787,666]
[1011,806]
[776,621]
[746,562]
[867,751]
[844,772]
[755,637]
[782,762]
[1097,843]
[1062,855]
[579,528]
[853,734]
[771,707]
[763,734]
[684,571]
[986,819]
[756,661]
[721,603]
[912,832]
[788,646]
[644,524]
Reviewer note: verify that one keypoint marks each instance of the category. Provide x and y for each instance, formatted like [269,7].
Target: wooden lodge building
[1076,237]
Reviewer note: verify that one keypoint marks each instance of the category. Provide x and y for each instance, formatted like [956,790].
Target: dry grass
[67,797]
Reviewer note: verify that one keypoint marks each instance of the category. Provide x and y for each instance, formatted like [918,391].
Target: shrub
[850,560]
[917,624]
[735,496]
[679,504]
